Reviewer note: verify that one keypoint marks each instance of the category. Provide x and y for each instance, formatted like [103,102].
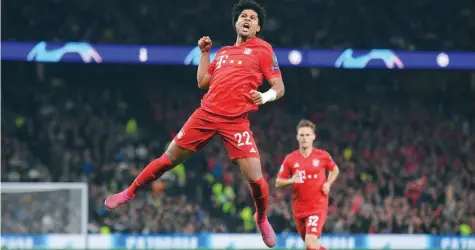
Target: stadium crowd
[405,142]
[327,24]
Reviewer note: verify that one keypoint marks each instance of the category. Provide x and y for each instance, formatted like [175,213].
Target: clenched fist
[205,44]
[256,97]
[297,178]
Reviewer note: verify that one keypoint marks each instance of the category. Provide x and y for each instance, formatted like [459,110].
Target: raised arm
[202,75]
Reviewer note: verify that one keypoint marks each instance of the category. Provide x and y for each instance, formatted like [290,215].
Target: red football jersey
[308,197]
[236,71]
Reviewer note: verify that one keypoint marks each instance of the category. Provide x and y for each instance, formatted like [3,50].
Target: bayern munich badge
[315,162]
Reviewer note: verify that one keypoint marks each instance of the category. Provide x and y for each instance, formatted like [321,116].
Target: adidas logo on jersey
[296,165]
[253,150]
[314,230]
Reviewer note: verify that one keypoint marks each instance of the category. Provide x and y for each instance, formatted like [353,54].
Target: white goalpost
[59,212]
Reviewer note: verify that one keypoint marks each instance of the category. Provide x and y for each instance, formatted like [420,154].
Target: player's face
[305,137]
[247,24]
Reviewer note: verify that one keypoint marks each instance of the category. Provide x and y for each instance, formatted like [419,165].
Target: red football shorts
[312,224]
[235,131]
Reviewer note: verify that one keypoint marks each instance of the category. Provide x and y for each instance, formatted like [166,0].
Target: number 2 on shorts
[244,135]
[312,221]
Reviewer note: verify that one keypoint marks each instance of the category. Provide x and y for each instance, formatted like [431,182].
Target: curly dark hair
[242,5]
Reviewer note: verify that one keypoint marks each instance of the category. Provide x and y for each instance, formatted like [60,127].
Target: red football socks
[260,193]
[154,170]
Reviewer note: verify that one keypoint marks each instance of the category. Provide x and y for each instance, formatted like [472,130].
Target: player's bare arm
[277,84]
[202,76]
[276,91]
[283,183]
[331,179]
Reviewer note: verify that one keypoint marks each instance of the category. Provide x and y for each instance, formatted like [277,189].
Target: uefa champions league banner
[84,52]
[55,241]
[232,241]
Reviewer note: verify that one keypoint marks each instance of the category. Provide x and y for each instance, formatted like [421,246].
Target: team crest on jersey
[247,51]
[315,162]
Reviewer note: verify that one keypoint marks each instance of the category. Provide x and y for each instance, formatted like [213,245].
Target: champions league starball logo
[193,57]
[349,61]
[39,53]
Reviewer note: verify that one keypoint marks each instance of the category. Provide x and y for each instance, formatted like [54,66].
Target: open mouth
[246,27]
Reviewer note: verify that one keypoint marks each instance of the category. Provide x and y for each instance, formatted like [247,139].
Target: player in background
[232,80]
[305,170]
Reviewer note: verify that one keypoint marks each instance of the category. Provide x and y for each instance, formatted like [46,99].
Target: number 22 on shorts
[243,138]
[312,221]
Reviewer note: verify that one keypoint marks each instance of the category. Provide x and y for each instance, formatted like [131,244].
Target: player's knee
[250,168]
[177,154]
[312,242]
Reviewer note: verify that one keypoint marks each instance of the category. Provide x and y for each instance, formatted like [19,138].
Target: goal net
[52,215]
